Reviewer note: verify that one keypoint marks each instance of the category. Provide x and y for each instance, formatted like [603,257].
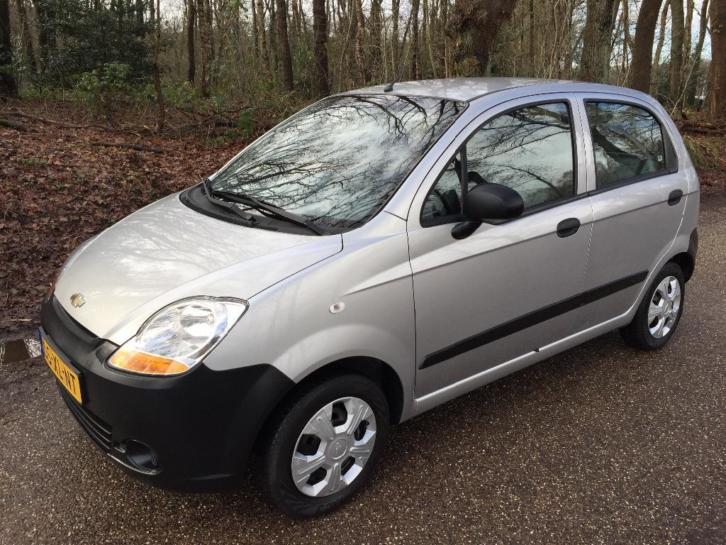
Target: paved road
[601,444]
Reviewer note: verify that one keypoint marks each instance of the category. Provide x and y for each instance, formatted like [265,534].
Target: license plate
[63,372]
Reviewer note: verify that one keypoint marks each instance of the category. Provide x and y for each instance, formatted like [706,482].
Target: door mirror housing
[493,202]
[488,202]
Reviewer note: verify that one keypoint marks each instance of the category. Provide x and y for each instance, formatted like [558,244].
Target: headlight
[177,338]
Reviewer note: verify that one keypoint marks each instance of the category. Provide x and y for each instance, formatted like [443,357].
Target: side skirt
[447,393]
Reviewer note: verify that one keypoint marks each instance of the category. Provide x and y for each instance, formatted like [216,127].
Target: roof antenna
[389,86]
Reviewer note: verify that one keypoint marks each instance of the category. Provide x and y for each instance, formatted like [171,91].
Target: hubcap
[334,447]
[664,307]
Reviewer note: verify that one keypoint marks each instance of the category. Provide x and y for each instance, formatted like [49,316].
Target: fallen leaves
[61,183]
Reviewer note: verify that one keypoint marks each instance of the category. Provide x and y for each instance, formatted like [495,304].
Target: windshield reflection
[337,162]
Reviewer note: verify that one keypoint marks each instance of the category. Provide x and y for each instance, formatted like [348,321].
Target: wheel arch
[686,262]
[377,370]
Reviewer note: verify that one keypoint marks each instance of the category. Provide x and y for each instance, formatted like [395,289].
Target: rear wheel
[659,312]
[325,446]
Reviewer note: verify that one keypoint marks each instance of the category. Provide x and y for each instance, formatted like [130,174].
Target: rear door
[637,195]
[509,288]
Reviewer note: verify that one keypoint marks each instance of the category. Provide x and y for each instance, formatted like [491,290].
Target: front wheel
[659,312]
[326,443]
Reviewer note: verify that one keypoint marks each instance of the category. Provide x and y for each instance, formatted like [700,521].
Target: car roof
[468,89]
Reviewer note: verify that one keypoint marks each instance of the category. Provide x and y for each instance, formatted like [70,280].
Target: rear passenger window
[628,143]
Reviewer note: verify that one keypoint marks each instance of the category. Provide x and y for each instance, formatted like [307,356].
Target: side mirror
[488,202]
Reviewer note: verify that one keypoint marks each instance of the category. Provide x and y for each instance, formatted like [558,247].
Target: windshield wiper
[209,194]
[261,206]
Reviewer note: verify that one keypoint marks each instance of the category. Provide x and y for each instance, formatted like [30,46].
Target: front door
[507,289]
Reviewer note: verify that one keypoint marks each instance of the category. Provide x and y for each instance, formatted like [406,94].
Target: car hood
[167,251]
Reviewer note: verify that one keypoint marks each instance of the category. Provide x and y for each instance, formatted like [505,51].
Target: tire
[643,331]
[342,399]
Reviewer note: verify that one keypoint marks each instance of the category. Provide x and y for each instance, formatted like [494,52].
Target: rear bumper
[191,431]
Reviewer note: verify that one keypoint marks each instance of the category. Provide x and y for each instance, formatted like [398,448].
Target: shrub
[105,88]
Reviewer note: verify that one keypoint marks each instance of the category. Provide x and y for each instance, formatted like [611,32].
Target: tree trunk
[27,36]
[359,29]
[395,54]
[595,61]
[445,37]
[160,109]
[428,19]
[661,36]
[415,49]
[641,63]
[255,35]
[627,40]
[321,81]
[717,74]
[531,63]
[8,85]
[570,42]
[262,35]
[676,62]
[693,74]
[690,6]
[191,20]
[205,34]
[375,25]
[272,37]
[284,45]
[481,21]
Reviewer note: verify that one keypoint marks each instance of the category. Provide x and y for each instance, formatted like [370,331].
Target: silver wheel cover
[342,450]
[664,307]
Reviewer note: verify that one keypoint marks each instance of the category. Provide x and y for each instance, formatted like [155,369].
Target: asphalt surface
[601,444]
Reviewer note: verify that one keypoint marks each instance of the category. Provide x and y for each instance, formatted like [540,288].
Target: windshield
[336,163]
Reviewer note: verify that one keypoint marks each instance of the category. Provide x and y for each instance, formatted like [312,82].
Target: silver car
[379,253]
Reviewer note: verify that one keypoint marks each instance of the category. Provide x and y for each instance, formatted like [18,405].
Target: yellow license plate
[63,372]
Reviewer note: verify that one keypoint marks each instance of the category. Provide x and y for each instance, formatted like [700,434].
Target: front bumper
[194,430]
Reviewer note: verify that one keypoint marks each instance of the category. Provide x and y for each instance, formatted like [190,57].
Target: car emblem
[77,300]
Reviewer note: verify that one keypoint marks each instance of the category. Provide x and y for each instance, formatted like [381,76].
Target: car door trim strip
[531,319]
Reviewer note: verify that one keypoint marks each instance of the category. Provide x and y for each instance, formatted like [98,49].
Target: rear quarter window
[628,142]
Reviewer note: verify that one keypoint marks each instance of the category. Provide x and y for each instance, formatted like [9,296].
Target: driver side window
[529,150]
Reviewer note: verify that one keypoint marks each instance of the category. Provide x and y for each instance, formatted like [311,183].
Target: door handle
[568,227]
[675,197]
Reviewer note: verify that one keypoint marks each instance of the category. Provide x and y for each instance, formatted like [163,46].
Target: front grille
[99,431]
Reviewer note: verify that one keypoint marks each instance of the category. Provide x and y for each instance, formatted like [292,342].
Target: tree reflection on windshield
[337,162]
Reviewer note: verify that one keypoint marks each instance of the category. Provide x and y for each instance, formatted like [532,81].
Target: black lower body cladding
[198,428]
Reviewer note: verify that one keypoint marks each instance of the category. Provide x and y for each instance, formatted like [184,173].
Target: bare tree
[375,27]
[262,36]
[284,45]
[599,24]
[156,72]
[320,33]
[395,56]
[415,45]
[676,62]
[26,36]
[191,20]
[693,73]
[641,64]
[687,27]
[479,21]
[204,13]
[717,73]
[661,40]
[358,29]
[8,85]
